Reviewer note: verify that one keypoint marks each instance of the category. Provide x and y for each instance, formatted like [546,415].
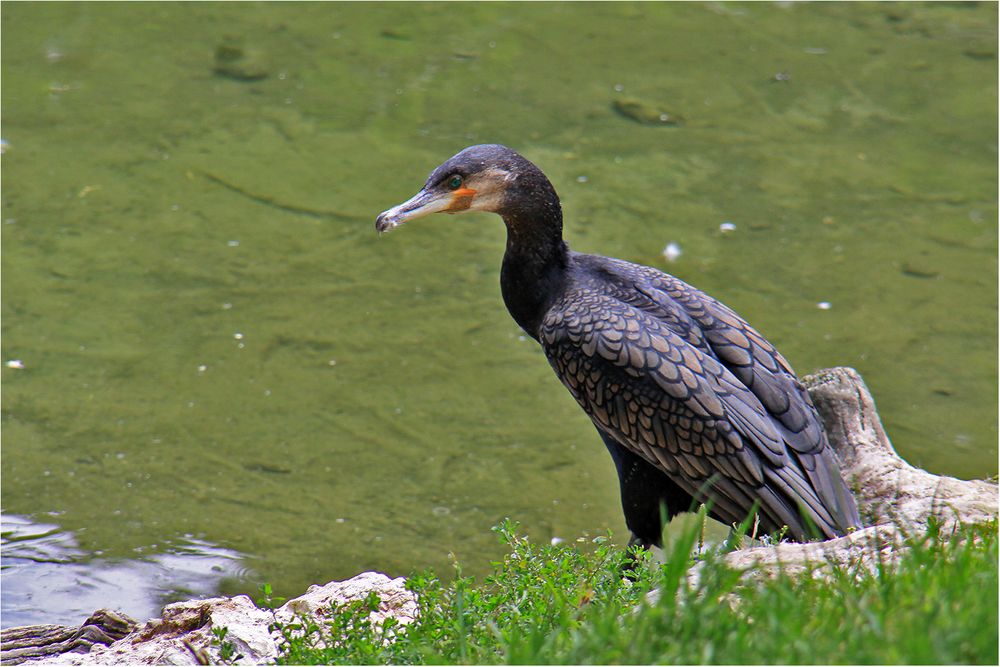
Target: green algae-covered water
[217,374]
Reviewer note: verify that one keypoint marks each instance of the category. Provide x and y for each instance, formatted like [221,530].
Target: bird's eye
[455,182]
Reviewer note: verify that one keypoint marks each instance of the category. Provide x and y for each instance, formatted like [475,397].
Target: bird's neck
[533,274]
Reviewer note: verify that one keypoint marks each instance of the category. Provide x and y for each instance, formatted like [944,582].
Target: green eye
[455,182]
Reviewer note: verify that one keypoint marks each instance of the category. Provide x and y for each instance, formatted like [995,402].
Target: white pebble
[238,336]
[672,252]
[824,305]
[202,368]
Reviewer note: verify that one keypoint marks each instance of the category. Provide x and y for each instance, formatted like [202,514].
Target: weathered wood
[104,626]
[888,489]
[895,499]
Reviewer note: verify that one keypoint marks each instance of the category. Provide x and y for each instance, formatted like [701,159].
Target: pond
[217,374]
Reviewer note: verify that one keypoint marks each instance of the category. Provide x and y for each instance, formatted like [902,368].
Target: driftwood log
[888,489]
[895,499]
[37,641]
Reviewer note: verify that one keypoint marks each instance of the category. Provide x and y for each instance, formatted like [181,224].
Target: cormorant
[692,403]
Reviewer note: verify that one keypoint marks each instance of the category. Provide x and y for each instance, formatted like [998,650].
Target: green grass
[560,604]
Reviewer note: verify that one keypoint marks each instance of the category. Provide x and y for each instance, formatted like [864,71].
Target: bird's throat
[533,273]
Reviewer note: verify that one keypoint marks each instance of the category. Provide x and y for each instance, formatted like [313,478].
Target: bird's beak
[424,203]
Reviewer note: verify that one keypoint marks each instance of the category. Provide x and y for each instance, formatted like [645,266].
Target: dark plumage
[692,403]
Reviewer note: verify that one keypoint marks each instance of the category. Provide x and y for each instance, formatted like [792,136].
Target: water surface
[211,341]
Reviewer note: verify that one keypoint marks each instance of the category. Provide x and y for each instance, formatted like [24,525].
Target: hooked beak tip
[419,205]
[385,222]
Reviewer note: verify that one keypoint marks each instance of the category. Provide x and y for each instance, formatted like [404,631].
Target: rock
[396,601]
[232,61]
[184,635]
[644,112]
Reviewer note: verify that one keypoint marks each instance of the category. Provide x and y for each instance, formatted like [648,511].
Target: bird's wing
[762,370]
[747,355]
[676,406]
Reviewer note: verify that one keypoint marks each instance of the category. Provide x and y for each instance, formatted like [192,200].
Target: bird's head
[479,178]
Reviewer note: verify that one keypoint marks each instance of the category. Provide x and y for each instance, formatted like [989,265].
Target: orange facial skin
[461,200]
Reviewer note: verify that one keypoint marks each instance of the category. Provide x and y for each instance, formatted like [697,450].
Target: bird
[693,404]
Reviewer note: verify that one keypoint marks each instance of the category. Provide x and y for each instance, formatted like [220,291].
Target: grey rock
[183,634]
[395,601]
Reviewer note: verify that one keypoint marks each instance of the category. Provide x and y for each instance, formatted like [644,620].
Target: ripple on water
[47,578]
